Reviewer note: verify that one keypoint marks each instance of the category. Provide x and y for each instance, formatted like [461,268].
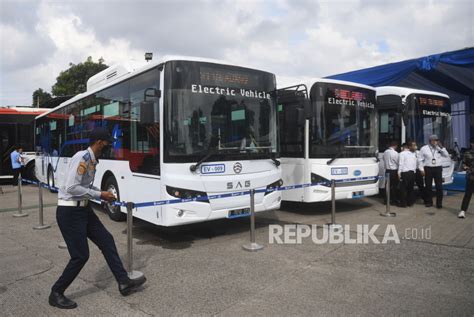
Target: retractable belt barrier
[219,196]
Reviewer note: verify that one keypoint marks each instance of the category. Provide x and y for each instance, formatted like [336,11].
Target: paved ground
[201,269]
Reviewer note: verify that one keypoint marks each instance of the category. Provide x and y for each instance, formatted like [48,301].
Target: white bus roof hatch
[111,74]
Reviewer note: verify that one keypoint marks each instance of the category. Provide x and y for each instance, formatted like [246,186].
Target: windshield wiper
[273,158]
[334,158]
[272,154]
[194,167]
[206,157]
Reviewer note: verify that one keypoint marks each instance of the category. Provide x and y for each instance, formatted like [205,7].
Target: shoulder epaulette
[86,156]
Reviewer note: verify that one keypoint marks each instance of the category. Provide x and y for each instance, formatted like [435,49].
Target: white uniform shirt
[431,157]
[408,162]
[390,158]
[80,177]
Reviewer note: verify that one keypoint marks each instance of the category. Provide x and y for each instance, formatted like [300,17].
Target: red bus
[17,127]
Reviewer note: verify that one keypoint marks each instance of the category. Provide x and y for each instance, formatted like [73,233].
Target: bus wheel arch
[109,183]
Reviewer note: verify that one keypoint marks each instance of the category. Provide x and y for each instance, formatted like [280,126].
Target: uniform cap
[100,134]
[433,137]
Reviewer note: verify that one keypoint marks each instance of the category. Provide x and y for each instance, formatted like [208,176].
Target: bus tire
[30,171]
[50,179]
[113,211]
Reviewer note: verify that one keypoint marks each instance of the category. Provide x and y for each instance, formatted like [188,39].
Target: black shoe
[428,205]
[60,301]
[130,286]
[439,206]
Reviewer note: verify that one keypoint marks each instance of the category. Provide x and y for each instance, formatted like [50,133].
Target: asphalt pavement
[201,269]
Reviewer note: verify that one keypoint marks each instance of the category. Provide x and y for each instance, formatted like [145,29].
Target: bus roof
[312,81]
[22,110]
[137,68]
[405,91]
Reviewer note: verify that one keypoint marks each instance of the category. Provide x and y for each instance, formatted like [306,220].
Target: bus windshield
[210,106]
[434,118]
[344,121]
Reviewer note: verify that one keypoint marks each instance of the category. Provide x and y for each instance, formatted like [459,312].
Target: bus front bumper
[186,213]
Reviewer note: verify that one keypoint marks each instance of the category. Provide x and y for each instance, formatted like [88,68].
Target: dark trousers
[467,195]
[436,174]
[16,174]
[421,186]
[393,186]
[76,225]
[407,183]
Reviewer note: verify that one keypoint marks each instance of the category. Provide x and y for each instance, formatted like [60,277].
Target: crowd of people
[423,167]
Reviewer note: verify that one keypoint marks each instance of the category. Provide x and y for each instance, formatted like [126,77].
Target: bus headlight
[315,178]
[186,193]
[273,186]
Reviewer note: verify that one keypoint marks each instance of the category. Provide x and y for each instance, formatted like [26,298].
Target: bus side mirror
[151,93]
[147,113]
[308,110]
[301,116]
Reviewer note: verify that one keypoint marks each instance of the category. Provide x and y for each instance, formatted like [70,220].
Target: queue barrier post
[387,212]
[252,246]
[41,225]
[333,224]
[20,212]
[132,274]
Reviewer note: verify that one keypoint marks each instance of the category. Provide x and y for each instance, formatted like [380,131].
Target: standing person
[431,168]
[77,222]
[16,164]
[406,172]
[390,158]
[468,164]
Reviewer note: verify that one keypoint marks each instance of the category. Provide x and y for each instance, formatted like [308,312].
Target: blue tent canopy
[451,73]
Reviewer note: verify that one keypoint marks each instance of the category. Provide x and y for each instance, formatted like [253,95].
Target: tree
[40,97]
[73,80]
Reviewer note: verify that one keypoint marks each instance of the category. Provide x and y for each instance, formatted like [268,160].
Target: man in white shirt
[390,158]
[430,159]
[406,172]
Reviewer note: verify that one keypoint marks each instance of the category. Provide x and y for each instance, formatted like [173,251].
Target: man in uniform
[406,173]
[468,164]
[390,158]
[431,168]
[77,221]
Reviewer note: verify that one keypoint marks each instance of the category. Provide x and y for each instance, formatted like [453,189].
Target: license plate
[339,171]
[239,213]
[358,194]
[213,169]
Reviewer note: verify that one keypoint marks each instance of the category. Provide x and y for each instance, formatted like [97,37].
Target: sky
[295,39]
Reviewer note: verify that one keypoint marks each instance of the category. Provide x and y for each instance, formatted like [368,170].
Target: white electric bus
[328,131]
[412,114]
[183,128]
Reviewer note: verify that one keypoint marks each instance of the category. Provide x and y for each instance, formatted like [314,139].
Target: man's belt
[73,203]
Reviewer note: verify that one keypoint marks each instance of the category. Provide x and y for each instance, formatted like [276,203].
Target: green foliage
[40,97]
[73,80]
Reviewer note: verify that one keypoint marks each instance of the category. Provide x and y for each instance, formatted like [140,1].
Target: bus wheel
[51,179]
[113,211]
[30,172]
